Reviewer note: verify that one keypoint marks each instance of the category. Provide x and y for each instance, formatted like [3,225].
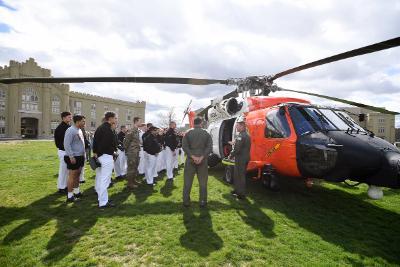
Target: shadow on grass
[338,217]
[75,220]
[168,187]
[200,236]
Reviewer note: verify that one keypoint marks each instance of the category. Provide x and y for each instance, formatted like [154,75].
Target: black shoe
[71,199]
[233,192]
[82,182]
[107,205]
[241,197]
[79,195]
[62,191]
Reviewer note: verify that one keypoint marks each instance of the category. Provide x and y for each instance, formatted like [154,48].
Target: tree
[164,118]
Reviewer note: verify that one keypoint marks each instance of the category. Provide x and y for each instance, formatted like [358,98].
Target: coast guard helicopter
[290,136]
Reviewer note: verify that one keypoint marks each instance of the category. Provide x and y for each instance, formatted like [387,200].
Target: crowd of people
[145,150]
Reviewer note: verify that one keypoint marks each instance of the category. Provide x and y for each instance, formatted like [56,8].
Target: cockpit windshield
[311,119]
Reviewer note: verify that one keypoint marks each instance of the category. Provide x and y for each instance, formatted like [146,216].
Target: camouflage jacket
[132,141]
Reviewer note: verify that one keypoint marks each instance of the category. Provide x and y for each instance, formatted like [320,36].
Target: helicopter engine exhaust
[230,106]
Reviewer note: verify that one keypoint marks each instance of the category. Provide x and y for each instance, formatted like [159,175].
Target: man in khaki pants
[197,144]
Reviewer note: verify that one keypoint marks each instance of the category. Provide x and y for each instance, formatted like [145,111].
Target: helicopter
[289,136]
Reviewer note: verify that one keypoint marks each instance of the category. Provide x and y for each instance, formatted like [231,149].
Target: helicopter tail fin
[192,115]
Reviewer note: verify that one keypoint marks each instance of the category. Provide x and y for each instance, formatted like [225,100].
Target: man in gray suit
[197,144]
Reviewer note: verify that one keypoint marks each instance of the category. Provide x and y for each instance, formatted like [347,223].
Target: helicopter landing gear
[270,179]
[228,174]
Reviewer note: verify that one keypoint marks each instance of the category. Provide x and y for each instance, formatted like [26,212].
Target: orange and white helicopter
[289,136]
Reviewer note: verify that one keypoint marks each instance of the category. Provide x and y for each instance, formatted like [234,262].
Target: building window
[55,104]
[93,111]
[53,126]
[381,120]
[77,107]
[30,100]
[93,124]
[106,108]
[2,126]
[128,126]
[381,130]
[2,99]
[129,115]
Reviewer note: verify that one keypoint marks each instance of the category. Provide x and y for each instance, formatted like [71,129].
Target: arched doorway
[29,127]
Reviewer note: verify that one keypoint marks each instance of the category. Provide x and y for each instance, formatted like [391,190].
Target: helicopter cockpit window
[308,120]
[335,119]
[277,125]
[349,120]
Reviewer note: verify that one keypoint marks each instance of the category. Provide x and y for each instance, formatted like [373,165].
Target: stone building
[33,109]
[383,125]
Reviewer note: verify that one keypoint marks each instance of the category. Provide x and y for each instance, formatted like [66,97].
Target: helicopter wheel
[271,182]
[228,175]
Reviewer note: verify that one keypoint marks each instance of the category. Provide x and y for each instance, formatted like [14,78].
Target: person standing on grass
[152,148]
[142,163]
[120,167]
[59,134]
[171,144]
[197,144]
[241,153]
[74,144]
[104,149]
[132,149]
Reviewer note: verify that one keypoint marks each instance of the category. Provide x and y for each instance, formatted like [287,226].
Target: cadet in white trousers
[103,175]
[104,147]
[120,165]
[171,144]
[62,171]
[59,135]
[152,148]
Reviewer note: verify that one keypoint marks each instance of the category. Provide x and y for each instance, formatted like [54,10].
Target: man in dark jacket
[171,145]
[59,135]
[152,148]
[104,149]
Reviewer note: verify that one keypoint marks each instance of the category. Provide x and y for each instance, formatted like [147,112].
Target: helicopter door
[280,143]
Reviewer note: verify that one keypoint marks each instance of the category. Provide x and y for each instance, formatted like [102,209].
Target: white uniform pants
[142,162]
[121,164]
[160,162]
[82,175]
[170,160]
[62,171]
[151,164]
[103,178]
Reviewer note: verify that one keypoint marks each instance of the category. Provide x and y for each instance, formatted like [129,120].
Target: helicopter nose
[389,174]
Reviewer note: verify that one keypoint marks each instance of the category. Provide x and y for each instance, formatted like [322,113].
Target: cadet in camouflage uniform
[197,144]
[132,149]
[241,152]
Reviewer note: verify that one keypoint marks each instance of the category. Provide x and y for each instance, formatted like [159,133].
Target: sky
[208,39]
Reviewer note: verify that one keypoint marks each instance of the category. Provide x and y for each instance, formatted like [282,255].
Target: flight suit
[132,149]
[196,142]
[241,152]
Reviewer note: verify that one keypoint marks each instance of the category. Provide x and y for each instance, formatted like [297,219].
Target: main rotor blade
[353,53]
[169,80]
[381,110]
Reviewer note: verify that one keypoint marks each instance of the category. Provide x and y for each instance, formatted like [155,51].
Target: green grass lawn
[327,225]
